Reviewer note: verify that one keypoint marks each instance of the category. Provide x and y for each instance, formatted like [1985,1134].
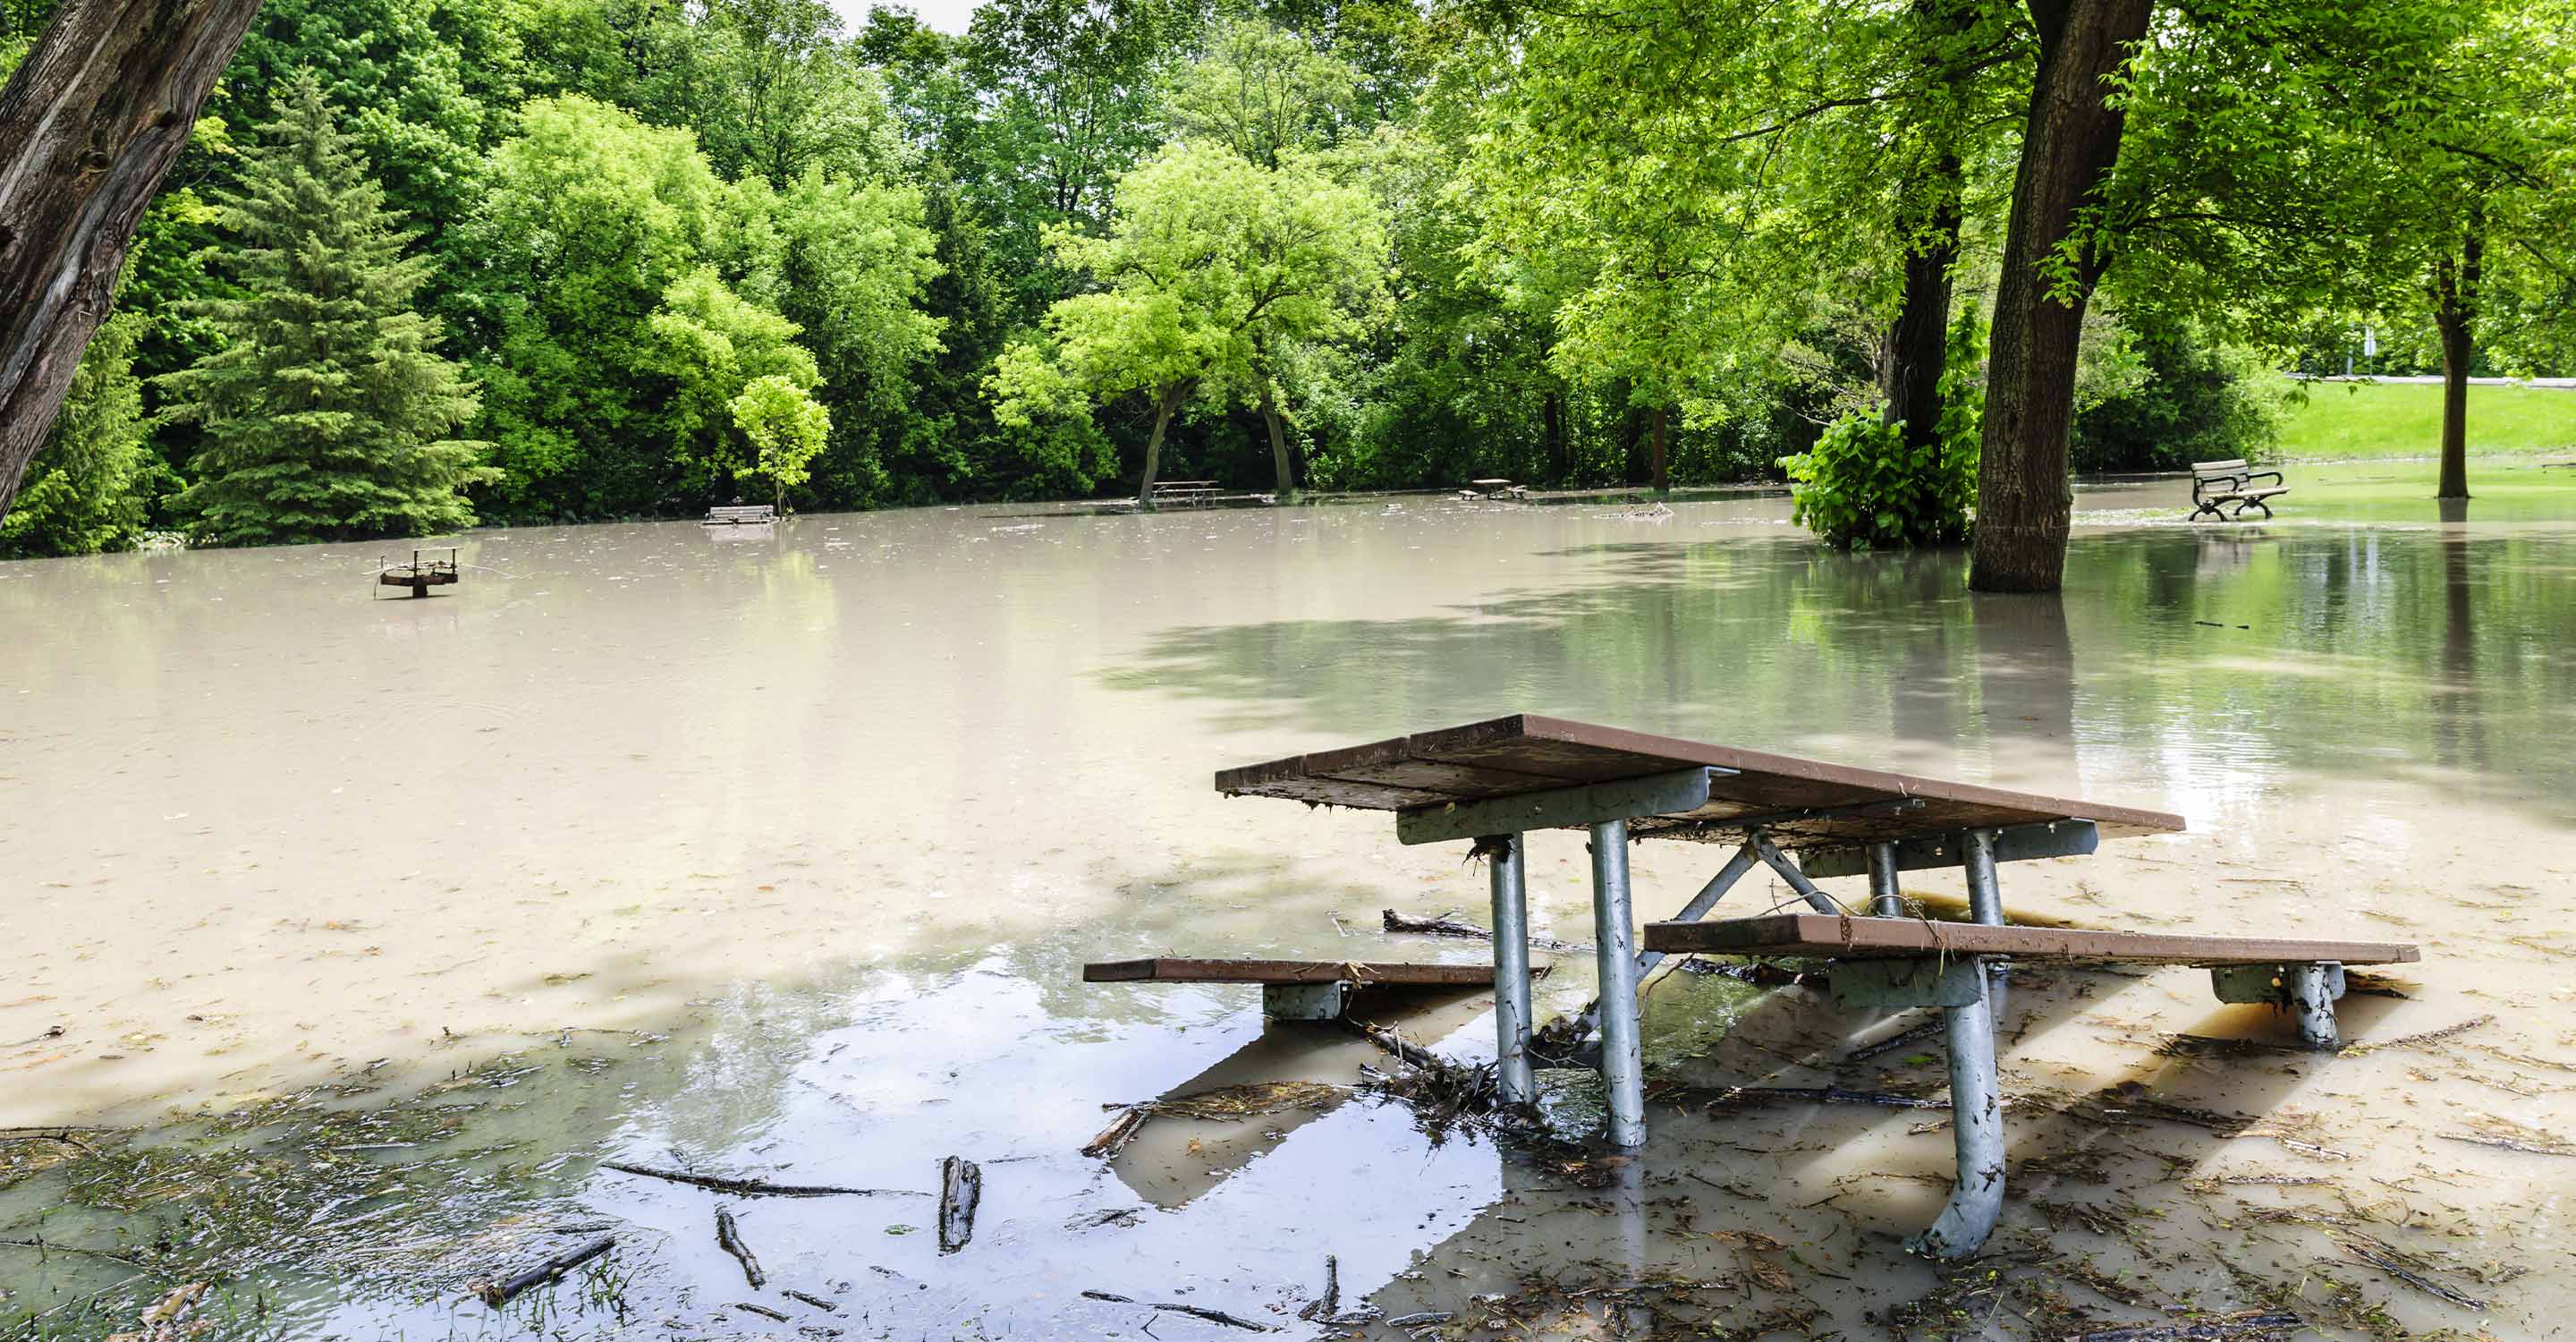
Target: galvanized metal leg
[1986,905]
[1977,1132]
[1743,861]
[1885,900]
[1511,966]
[1614,934]
[2313,989]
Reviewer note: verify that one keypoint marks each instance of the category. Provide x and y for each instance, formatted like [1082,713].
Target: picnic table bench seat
[2216,485]
[735,515]
[1293,989]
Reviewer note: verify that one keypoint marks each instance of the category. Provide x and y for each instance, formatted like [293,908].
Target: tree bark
[2455,315]
[1551,411]
[89,126]
[1918,341]
[1287,470]
[1165,403]
[2071,140]
[1661,453]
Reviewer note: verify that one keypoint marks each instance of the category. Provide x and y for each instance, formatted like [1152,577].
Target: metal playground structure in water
[422,572]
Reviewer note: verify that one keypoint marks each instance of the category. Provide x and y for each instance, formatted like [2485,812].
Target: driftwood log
[89,126]
[961,1186]
[499,1293]
[729,1239]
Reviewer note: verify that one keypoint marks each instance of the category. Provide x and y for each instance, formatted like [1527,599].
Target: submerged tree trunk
[1918,341]
[2455,315]
[1551,412]
[89,125]
[2069,144]
[1287,469]
[1166,403]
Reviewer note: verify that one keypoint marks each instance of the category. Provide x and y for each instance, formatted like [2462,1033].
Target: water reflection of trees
[2167,663]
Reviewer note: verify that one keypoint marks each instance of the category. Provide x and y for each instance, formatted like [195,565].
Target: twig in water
[1330,1303]
[1895,1041]
[1194,1311]
[2366,1250]
[756,1188]
[816,1301]
[48,1246]
[2207,1330]
[729,1239]
[763,1311]
[499,1293]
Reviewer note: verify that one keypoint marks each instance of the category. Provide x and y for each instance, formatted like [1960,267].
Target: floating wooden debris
[961,1186]
[422,573]
[729,1239]
[1252,1100]
[757,1188]
[499,1293]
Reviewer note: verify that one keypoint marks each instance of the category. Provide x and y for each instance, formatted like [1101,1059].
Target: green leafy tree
[590,220]
[785,427]
[87,488]
[771,88]
[1210,264]
[1262,91]
[704,346]
[326,411]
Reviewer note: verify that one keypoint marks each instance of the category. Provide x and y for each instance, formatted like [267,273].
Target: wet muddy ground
[350,939]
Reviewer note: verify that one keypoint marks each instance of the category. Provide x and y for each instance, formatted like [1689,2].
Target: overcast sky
[948,16]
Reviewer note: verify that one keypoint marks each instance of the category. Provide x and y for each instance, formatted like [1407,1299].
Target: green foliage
[703,347]
[327,409]
[1263,91]
[1210,263]
[1861,486]
[2194,399]
[87,488]
[785,427]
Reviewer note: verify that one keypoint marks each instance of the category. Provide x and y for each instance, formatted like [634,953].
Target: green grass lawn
[2347,420]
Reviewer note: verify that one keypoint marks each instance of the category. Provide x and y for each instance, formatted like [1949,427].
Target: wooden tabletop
[1529,753]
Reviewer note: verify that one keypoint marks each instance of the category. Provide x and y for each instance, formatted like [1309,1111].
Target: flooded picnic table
[775,858]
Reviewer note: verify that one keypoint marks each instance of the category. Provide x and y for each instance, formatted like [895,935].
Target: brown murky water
[778,854]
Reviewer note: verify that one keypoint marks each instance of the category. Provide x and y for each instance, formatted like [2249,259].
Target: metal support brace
[1986,905]
[1305,1001]
[1698,908]
[1779,862]
[1977,1135]
[1506,868]
[2308,991]
[1885,900]
[1615,937]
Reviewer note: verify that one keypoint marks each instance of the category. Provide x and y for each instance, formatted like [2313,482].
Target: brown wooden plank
[1823,934]
[1167,969]
[1498,757]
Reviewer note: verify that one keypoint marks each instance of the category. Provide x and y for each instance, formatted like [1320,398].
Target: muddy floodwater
[347,938]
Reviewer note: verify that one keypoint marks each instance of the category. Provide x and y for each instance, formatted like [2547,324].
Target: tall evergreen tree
[327,408]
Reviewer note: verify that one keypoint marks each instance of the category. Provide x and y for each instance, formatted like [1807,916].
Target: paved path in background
[2435,379]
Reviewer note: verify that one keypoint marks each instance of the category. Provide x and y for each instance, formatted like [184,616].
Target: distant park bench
[1184,493]
[750,514]
[2217,484]
[1493,490]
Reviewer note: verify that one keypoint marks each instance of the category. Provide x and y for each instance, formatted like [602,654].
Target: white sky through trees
[948,16]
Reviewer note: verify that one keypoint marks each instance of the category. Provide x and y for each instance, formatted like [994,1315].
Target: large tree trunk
[89,125]
[2455,315]
[1551,413]
[1166,403]
[1287,469]
[2071,141]
[1918,341]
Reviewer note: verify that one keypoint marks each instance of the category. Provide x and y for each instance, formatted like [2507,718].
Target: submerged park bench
[2217,484]
[741,515]
[1489,783]
[1184,493]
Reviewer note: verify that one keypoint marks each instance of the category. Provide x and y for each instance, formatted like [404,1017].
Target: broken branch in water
[1253,1099]
[1896,1041]
[1330,1302]
[1446,926]
[1734,1096]
[1194,1311]
[729,1239]
[2206,1330]
[756,1188]
[2363,1249]
[499,1293]
[763,1311]
[961,1186]
[816,1301]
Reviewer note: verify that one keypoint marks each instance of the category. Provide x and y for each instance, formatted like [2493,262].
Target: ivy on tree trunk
[89,125]
[2070,141]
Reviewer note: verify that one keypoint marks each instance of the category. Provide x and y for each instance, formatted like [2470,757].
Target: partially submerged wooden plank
[1506,756]
[1825,935]
[1172,969]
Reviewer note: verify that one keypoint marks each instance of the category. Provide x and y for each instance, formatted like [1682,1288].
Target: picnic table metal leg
[1986,905]
[1743,861]
[1615,937]
[1977,1135]
[1511,966]
[1885,900]
[2312,996]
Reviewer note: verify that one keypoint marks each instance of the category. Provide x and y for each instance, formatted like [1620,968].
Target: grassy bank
[2350,420]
